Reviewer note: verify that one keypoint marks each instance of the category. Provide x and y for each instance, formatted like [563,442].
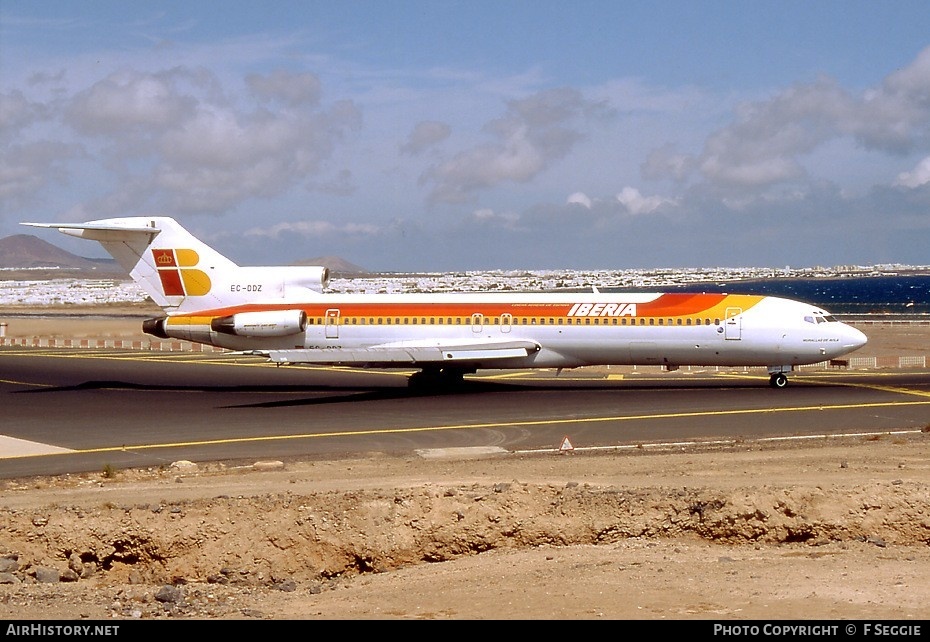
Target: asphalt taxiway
[68,411]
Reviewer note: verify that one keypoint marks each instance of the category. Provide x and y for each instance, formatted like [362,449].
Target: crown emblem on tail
[177,275]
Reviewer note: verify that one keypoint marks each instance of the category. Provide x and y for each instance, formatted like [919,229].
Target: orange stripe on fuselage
[665,305]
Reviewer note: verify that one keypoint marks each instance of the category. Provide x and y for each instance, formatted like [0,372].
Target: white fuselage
[568,330]
[284,313]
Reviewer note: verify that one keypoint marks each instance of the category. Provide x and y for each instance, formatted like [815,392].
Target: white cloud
[636,203]
[126,101]
[292,89]
[488,216]
[920,175]
[666,162]
[425,135]
[533,133]
[16,112]
[25,170]
[767,140]
[313,229]
[580,198]
[187,146]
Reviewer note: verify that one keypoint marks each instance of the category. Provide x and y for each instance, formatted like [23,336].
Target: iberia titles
[602,310]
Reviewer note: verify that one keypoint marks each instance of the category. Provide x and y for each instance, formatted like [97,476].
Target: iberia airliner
[286,315]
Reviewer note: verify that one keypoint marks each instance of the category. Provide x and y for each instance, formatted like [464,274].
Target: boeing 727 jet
[286,315]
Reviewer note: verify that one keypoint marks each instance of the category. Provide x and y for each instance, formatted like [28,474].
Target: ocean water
[903,294]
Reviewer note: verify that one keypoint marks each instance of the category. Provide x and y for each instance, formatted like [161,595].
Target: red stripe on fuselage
[672,304]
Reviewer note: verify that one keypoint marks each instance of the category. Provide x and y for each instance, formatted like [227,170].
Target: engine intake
[273,323]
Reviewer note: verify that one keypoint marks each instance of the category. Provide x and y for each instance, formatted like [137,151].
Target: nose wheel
[778,380]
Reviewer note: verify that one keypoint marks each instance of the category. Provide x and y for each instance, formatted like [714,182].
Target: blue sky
[451,135]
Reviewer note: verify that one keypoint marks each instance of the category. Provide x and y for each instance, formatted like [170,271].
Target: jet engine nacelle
[252,284]
[273,323]
[155,327]
[312,277]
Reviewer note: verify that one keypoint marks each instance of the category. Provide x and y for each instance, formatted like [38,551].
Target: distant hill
[336,265]
[26,251]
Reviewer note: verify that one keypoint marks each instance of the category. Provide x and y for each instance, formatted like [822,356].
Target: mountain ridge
[29,252]
[26,251]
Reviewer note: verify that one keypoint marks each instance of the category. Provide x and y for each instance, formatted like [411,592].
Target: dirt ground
[831,529]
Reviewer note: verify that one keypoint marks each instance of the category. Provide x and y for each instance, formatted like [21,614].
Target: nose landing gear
[778,376]
[778,380]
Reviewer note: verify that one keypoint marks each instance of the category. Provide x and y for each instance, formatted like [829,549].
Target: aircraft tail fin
[182,274]
[175,269]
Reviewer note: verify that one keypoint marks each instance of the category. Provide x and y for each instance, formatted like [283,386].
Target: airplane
[285,314]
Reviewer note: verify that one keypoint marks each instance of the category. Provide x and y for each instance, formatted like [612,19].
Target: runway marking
[26,383]
[892,389]
[829,379]
[481,426]
[12,447]
[505,375]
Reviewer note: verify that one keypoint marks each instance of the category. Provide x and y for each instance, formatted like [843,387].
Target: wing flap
[405,355]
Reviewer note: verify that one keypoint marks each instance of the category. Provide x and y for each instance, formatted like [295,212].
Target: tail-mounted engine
[273,323]
[155,327]
[312,277]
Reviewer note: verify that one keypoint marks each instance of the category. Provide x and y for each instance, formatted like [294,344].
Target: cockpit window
[820,317]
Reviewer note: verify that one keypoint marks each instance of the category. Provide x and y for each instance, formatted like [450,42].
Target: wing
[398,355]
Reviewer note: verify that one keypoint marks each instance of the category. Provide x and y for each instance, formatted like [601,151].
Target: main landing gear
[430,379]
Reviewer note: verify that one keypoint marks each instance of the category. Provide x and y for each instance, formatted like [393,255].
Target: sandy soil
[831,530]
[828,531]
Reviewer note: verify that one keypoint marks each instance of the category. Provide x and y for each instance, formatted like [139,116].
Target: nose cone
[853,339]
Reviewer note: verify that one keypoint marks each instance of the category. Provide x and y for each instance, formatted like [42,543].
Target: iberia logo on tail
[177,274]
